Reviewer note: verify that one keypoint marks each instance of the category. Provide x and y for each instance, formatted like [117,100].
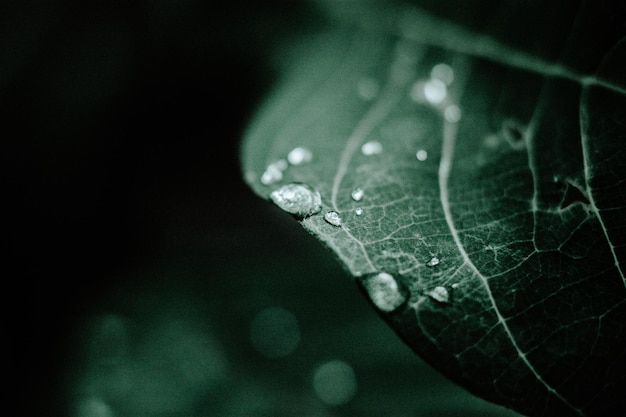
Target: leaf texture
[492,191]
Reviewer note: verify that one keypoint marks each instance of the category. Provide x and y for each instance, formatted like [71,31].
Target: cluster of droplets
[274,172]
[434,91]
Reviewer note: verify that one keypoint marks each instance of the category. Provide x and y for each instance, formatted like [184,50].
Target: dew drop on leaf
[357,194]
[372,147]
[434,261]
[299,156]
[332,217]
[297,199]
[384,291]
[440,294]
[358,211]
[421,155]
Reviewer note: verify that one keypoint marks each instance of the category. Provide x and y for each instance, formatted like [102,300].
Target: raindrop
[421,155]
[443,72]
[299,156]
[333,218]
[357,194]
[367,88]
[275,332]
[358,211]
[440,294]
[435,91]
[297,199]
[334,382]
[452,113]
[434,261]
[384,291]
[372,147]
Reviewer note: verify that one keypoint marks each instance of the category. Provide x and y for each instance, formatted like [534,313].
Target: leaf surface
[492,193]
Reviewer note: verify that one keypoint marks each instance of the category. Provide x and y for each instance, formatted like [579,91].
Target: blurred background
[144,277]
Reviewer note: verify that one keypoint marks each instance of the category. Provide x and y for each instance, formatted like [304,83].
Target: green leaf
[489,228]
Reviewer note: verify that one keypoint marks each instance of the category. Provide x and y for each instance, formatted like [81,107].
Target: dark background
[121,124]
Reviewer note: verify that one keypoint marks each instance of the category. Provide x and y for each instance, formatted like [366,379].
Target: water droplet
[357,194]
[372,147]
[334,382]
[297,199]
[333,218]
[274,172]
[367,88]
[452,113]
[443,72]
[358,211]
[434,261]
[440,294]
[421,155]
[384,291]
[435,91]
[299,156]
[275,332]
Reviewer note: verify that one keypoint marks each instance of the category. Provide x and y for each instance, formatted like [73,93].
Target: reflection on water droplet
[299,156]
[434,261]
[384,291]
[372,147]
[357,194]
[452,113]
[367,88]
[334,382]
[435,91]
[275,332]
[440,294]
[421,155]
[333,218]
[297,199]
[443,72]
[358,211]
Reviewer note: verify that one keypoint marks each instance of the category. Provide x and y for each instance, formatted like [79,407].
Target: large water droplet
[434,261]
[421,155]
[440,294]
[334,382]
[384,291]
[299,156]
[297,199]
[333,218]
[357,194]
[372,147]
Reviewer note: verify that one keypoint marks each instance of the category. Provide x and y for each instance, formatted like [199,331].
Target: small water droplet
[452,113]
[384,291]
[434,261]
[358,211]
[297,199]
[299,156]
[357,194]
[421,155]
[273,173]
[333,218]
[334,382]
[435,91]
[440,294]
[443,72]
[372,147]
